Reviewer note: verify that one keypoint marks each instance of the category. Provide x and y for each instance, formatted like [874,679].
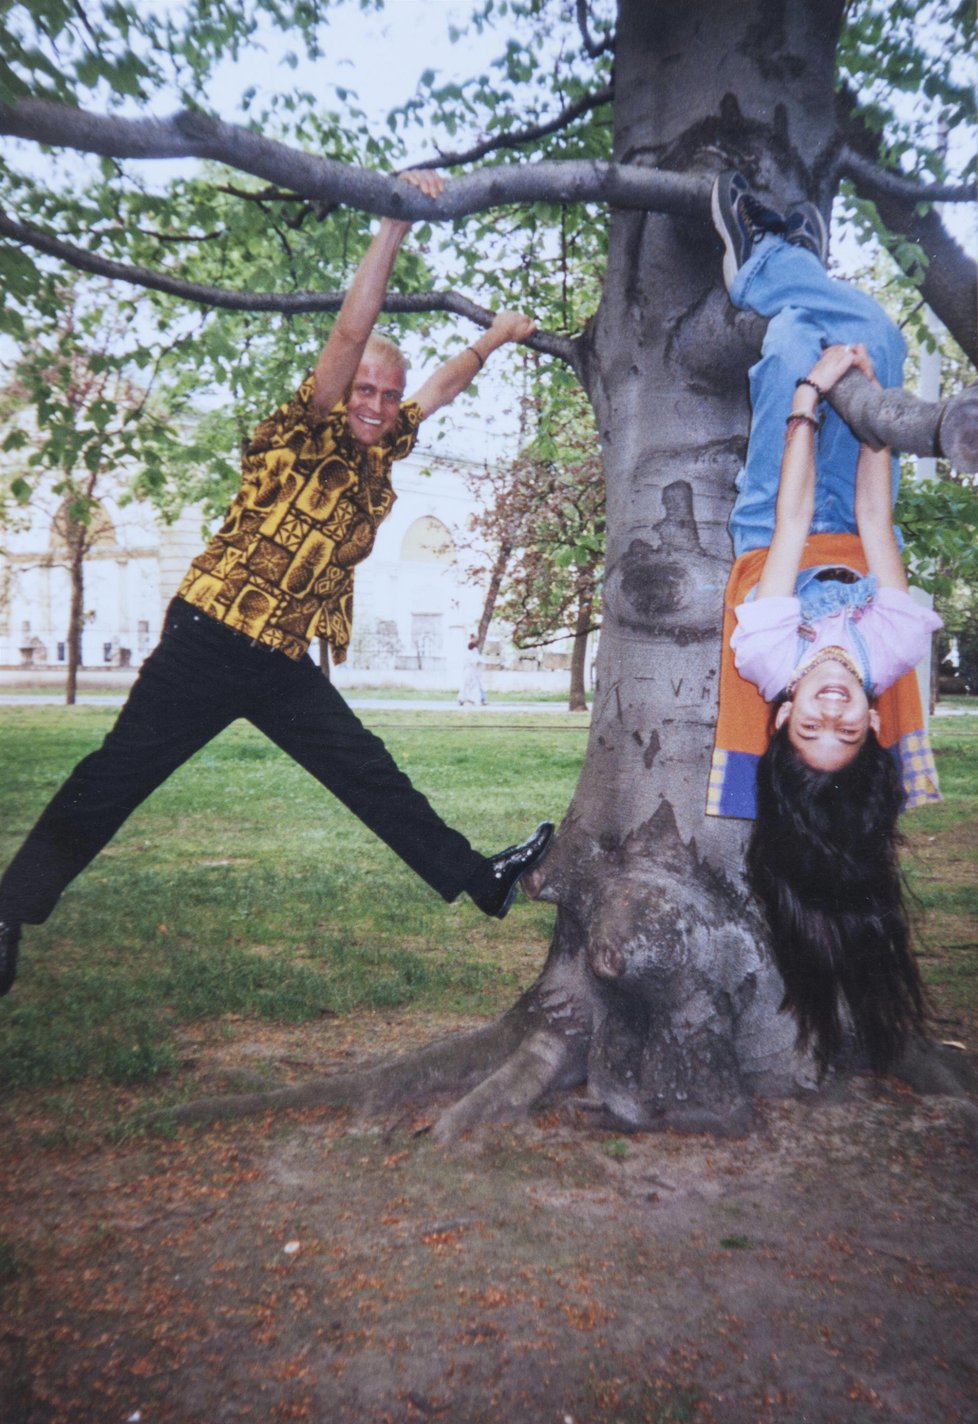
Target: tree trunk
[492,593]
[76,613]
[582,629]
[680,995]
[658,991]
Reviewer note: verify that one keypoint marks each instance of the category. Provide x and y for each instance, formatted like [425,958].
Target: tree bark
[684,998]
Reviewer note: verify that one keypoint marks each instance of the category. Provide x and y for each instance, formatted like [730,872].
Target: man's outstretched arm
[340,357]
[441,388]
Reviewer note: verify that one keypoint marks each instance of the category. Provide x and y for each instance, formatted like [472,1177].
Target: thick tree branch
[595,48]
[949,281]
[518,137]
[286,303]
[717,344]
[883,181]
[191,135]
[917,427]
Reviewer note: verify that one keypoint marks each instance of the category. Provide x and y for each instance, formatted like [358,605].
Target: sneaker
[805,227]
[741,219]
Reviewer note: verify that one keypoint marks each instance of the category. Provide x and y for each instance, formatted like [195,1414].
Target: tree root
[934,1070]
[495,1073]
[453,1063]
[544,1061]
[662,1007]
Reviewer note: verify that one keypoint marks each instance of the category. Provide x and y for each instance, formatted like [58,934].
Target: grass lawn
[105,684]
[942,870]
[241,890]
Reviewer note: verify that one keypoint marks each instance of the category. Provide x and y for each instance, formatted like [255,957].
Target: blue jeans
[809,310]
[201,678]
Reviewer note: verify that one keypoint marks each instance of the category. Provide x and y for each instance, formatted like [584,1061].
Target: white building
[414,609]
[123,595]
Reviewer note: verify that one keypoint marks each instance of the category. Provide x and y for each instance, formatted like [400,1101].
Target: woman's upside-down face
[828,716]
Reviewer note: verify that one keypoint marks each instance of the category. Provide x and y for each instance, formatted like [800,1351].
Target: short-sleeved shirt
[887,637]
[280,568]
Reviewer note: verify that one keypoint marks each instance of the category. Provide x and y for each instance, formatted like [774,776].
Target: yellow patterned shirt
[280,568]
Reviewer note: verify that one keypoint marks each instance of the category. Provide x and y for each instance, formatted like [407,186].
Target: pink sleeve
[765,642]
[897,632]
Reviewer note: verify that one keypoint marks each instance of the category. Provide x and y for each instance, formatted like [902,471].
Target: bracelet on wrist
[807,381]
[802,417]
[478,356]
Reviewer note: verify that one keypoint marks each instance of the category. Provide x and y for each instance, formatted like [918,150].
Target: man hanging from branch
[316,485]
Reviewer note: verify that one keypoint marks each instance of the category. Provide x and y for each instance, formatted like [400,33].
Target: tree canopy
[271,217]
[528,143]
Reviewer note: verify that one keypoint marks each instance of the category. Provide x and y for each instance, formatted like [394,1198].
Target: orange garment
[743,722]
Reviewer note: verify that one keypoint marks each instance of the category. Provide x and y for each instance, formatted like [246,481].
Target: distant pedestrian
[472,693]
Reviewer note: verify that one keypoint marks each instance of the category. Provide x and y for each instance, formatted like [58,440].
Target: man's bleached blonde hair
[387,350]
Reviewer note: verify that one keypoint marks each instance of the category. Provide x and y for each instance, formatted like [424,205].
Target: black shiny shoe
[495,886]
[9,943]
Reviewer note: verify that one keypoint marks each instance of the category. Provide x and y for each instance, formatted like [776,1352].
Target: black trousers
[200,678]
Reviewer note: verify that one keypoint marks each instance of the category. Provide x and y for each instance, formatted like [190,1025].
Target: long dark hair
[822,860]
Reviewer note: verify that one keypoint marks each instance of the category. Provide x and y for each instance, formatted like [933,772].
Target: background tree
[657,990]
[89,427]
[968,650]
[937,508]
[939,518]
[544,521]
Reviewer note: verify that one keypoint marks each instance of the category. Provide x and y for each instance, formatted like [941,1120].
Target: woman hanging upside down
[823,637]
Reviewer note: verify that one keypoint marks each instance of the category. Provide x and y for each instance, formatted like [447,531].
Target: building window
[426,640]
[100,531]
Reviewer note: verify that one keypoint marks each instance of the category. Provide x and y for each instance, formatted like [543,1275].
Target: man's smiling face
[375,399]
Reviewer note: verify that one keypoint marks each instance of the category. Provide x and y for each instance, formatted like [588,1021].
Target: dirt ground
[821,1270]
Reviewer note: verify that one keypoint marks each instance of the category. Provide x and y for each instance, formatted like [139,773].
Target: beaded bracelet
[803,416]
[481,359]
[807,381]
